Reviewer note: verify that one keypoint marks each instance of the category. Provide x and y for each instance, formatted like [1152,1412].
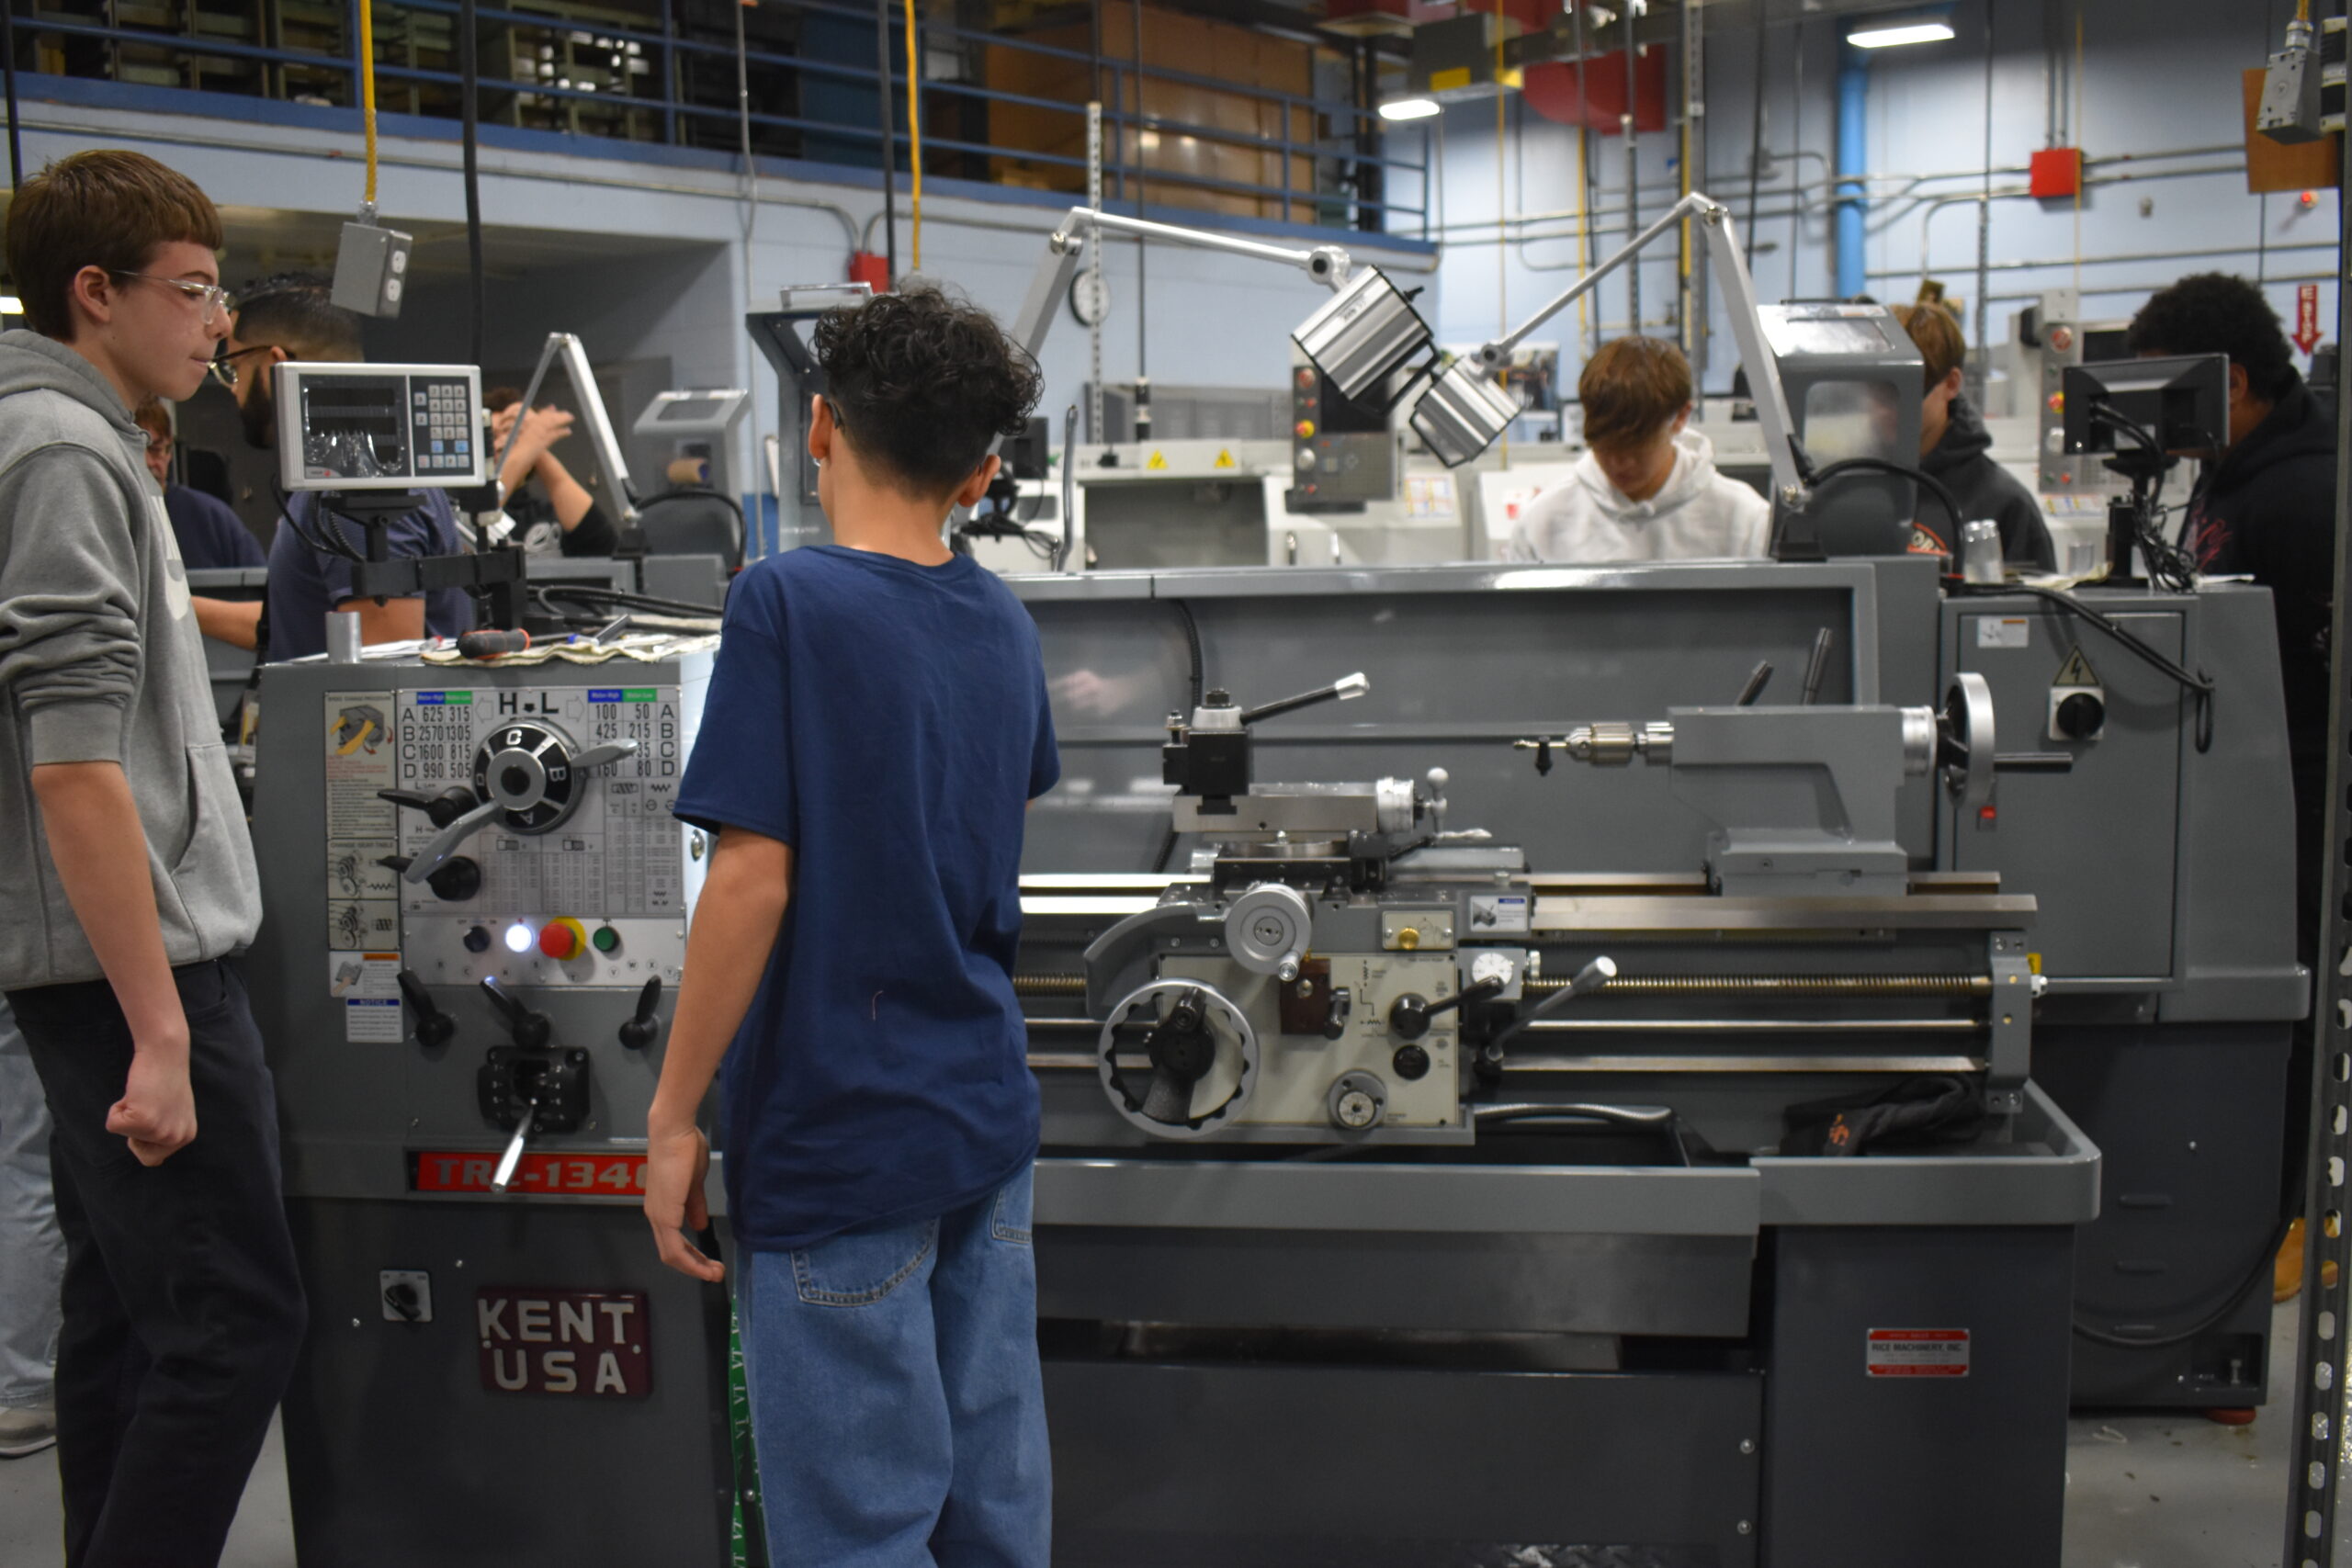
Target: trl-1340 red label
[538,1175]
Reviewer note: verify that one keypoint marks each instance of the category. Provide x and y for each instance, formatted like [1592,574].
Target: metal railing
[1337,173]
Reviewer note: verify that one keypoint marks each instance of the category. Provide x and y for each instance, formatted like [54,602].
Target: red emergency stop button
[561,940]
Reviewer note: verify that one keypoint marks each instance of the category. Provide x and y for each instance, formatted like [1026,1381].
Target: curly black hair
[922,384]
[2218,312]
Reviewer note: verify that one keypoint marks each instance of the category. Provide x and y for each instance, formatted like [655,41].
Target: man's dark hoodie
[2268,510]
[1985,489]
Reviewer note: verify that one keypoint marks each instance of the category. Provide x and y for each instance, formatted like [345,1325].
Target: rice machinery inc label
[1917,1353]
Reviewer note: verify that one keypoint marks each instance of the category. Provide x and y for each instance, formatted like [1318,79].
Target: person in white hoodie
[1646,488]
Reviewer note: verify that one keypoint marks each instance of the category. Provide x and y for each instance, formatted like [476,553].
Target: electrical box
[371,269]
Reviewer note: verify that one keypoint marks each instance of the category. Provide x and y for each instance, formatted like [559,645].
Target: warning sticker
[362,897]
[2075,672]
[368,987]
[1157,460]
[1225,458]
[1917,1353]
[2004,631]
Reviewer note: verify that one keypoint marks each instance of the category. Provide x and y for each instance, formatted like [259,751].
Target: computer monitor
[2181,401]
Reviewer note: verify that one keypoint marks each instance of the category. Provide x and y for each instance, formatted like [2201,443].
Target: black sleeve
[2288,528]
[2025,533]
[594,534]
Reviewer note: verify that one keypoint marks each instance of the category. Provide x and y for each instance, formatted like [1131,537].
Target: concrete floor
[2142,1492]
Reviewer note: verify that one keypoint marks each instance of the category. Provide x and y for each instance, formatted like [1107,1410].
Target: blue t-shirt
[210,536]
[888,721]
[305,583]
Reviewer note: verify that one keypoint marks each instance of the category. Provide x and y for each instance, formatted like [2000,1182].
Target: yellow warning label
[1157,461]
[2075,672]
[1223,459]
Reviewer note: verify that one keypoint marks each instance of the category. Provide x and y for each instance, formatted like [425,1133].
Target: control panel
[510,834]
[1343,453]
[386,427]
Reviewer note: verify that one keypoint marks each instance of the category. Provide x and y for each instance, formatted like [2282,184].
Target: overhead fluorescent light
[1408,108]
[1894,32]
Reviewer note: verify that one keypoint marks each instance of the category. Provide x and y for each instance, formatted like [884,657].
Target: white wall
[1209,318]
[2158,78]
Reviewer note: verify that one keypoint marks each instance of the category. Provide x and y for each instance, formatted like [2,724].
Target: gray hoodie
[100,661]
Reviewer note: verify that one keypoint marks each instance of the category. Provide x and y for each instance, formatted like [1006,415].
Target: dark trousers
[183,1309]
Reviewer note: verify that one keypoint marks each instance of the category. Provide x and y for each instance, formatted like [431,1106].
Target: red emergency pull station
[2055,174]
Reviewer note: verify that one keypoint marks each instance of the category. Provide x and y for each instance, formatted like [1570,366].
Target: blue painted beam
[1853,162]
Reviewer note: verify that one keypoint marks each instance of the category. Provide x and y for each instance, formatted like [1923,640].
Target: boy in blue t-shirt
[876,728]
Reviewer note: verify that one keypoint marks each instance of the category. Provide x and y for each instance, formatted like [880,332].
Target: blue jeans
[897,1405]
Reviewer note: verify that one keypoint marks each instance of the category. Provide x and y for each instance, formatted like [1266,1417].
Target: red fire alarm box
[2056,174]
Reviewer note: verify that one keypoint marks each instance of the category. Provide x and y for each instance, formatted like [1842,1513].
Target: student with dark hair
[1955,447]
[1646,488]
[123,843]
[876,727]
[210,536]
[561,516]
[2267,508]
[293,317]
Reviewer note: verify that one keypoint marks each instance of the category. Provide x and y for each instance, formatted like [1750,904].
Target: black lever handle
[1477,991]
[2033,762]
[1818,666]
[433,1027]
[1334,1018]
[529,1028]
[1410,1016]
[640,1031]
[1345,689]
[1757,679]
[443,808]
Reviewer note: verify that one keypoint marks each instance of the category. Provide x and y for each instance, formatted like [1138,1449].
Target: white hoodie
[1696,515]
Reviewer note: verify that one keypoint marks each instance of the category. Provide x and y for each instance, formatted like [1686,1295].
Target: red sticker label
[1919,1353]
[553,1175]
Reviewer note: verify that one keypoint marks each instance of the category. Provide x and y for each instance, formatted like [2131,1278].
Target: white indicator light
[518,938]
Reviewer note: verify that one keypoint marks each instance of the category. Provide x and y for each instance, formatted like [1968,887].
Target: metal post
[1690,310]
[889,140]
[1094,274]
[670,69]
[1134,75]
[1630,125]
[2317,1433]
[1984,230]
[8,69]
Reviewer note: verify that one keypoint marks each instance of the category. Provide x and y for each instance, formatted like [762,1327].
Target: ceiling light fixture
[1893,31]
[1408,108]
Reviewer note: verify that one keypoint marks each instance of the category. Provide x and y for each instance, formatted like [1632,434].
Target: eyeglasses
[224,365]
[217,299]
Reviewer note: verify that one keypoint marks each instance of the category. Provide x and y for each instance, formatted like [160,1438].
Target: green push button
[606,939]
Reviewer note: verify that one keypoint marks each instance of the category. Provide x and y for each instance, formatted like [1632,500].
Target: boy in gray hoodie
[130,879]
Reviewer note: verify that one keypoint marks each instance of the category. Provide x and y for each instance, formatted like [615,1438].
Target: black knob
[433,1027]
[640,1031]
[1334,1018]
[2081,716]
[529,1028]
[441,809]
[1411,1062]
[477,939]
[454,880]
[1408,1016]
[1182,1046]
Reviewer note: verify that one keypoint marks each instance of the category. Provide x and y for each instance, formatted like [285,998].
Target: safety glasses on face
[225,364]
[218,302]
